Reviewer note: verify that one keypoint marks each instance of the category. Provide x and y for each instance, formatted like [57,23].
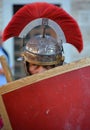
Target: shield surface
[58,99]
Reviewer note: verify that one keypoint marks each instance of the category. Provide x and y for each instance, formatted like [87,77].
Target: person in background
[4,53]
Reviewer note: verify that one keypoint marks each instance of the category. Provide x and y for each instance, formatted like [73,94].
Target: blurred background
[79,9]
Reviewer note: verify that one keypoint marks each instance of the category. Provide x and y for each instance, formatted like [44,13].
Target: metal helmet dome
[43,49]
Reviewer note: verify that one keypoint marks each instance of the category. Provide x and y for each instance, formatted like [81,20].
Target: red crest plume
[45,10]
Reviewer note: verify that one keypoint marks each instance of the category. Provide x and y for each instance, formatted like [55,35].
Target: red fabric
[39,10]
[58,103]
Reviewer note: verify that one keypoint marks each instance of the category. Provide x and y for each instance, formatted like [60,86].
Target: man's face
[33,69]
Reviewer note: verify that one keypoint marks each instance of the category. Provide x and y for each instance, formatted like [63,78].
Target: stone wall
[1,18]
[80,9]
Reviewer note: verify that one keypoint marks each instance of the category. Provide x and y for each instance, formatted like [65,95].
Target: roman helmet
[55,27]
